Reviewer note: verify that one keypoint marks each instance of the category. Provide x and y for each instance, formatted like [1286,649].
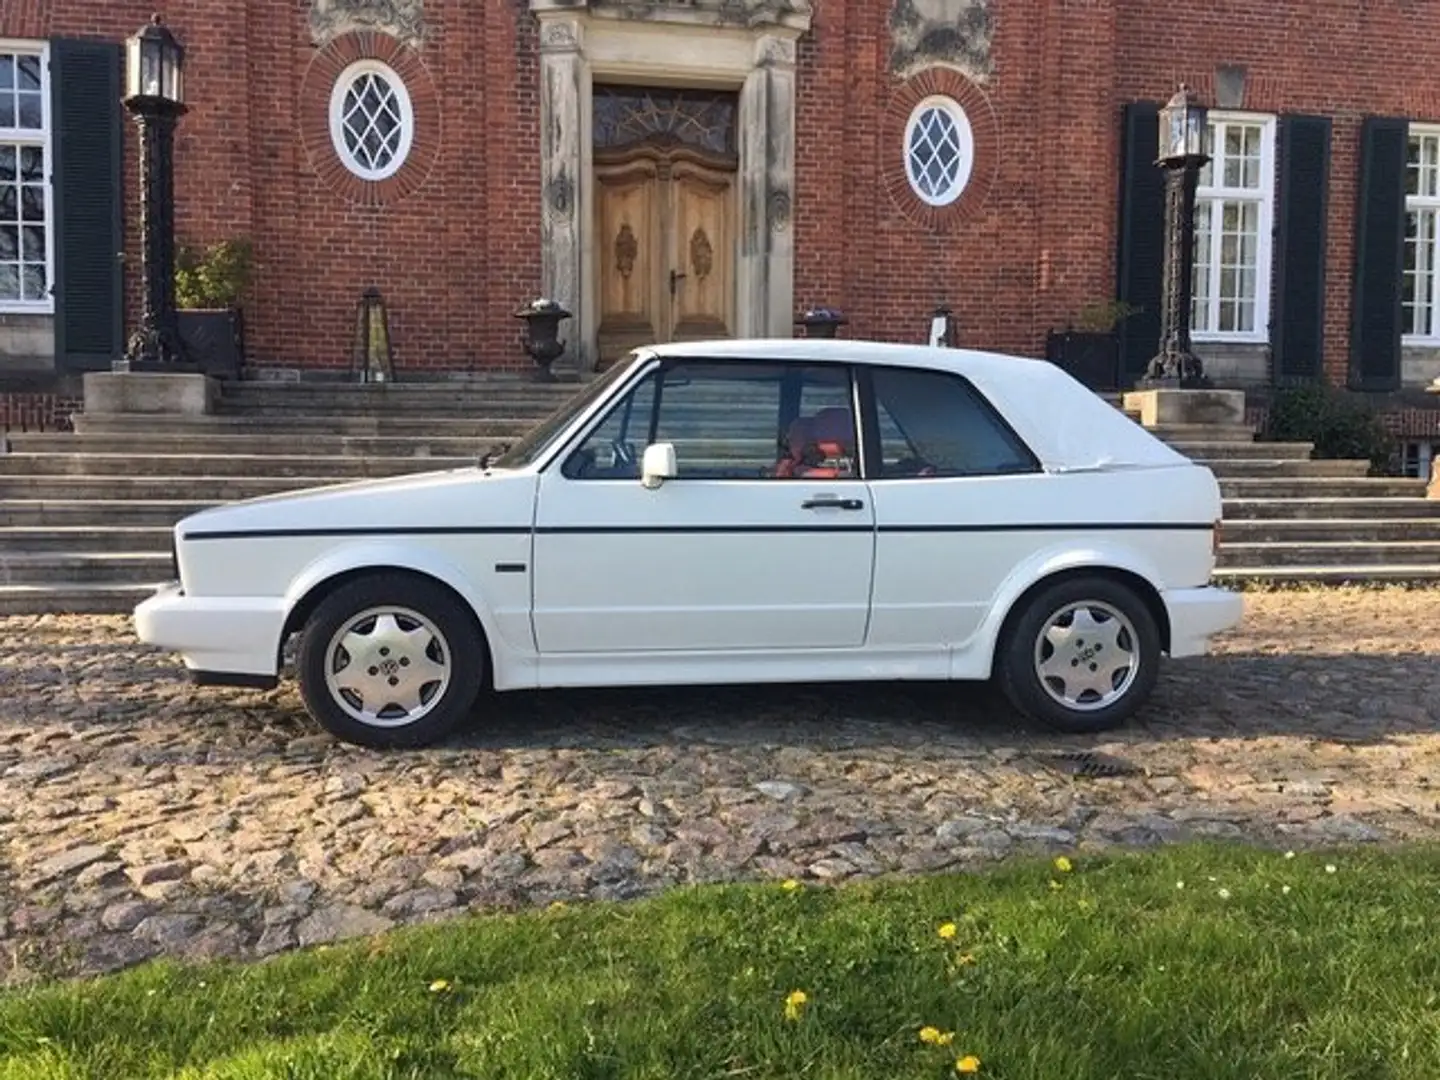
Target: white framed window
[1420,290]
[939,150]
[1234,215]
[27,242]
[1416,457]
[372,124]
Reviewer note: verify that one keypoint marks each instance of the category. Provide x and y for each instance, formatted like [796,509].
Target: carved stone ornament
[558,192]
[702,254]
[717,12]
[777,209]
[403,20]
[956,32]
[626,249]
[559,35]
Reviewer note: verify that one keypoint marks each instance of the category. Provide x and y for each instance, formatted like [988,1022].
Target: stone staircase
[85,518]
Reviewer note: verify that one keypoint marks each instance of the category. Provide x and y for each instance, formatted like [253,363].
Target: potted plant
[1088,347]
[210,287]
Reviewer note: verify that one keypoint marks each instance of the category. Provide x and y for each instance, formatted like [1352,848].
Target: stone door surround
[747,45]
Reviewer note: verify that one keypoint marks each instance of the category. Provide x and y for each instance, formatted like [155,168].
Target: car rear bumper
[1198,614]
[229,640]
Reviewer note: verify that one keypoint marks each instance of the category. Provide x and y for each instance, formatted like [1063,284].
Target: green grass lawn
[1257,966]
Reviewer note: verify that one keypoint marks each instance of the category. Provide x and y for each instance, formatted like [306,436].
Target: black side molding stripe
[510,568]
[377,530]
[681,530]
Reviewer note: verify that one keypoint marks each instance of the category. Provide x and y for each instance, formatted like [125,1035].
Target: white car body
[605,582]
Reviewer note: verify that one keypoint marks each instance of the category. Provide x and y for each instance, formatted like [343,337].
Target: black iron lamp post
[821,322]
[542,333]
[155,97]
[1184,151]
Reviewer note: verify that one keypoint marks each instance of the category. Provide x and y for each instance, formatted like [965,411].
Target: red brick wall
[1030,242]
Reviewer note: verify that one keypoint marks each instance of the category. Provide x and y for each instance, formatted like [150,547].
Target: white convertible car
[729,512]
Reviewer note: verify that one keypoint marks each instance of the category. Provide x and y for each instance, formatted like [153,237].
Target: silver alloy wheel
[1087,655]
[387,666]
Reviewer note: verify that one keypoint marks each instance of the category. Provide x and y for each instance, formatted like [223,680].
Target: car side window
[751,420]
[614,447]
[935,424]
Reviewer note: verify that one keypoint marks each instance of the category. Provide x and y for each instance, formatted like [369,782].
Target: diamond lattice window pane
[935,153]
[372,124]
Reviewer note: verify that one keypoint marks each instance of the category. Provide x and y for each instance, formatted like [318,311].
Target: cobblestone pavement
[140,816]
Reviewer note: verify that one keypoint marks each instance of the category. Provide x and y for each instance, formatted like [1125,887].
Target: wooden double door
[665,234]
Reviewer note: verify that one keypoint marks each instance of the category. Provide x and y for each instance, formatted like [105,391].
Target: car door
[741,550]
[950,477]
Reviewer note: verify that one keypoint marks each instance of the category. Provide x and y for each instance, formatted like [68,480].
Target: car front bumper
[223,640]
[1196,615]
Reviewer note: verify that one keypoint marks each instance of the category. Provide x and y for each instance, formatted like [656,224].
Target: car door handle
[829,502]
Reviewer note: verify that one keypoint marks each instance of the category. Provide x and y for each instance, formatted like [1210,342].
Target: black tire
[1021,681]
[457,639]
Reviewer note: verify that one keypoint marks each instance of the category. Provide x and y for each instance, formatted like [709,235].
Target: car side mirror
[658,464]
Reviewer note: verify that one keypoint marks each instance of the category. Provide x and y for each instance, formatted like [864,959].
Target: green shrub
[215,277]
[1340,424]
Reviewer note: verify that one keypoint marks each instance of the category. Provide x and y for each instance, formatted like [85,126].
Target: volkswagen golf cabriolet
[729,512]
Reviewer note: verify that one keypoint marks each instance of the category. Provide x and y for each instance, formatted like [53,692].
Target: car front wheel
[1082,656]
[390,660]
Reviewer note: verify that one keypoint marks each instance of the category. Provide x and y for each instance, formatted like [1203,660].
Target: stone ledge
[1161,408]
[150,392]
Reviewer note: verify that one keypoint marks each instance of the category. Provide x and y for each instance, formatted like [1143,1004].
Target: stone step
[218,465]
[1246,508]
[1330,553]
[189,488]
[300,425]
[1329,530]
[34,539]
[1238,468]
[1245,449]
[83,567]
[91,599]
[100,513]
[1329,575]
[1204,433]
[1312,487]
[294,444]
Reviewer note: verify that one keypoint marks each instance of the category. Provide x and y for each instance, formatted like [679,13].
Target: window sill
[1420,342]
[1229,339]
[27,309]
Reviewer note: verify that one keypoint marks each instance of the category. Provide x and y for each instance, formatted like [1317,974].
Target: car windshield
[535,441]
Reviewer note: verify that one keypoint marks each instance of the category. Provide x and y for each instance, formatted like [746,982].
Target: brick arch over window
[985,132]
[316,88]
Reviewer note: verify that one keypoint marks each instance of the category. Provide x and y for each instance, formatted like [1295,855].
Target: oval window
[939,150]
[371,122]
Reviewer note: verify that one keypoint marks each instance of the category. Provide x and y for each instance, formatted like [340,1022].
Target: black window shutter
[1140,252]
[1298,323]
[88,171]
[1379,255]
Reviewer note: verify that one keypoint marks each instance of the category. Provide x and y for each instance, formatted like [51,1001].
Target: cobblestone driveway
[140,816]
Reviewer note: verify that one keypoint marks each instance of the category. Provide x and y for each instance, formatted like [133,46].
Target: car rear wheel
[390,660]
[1083,655]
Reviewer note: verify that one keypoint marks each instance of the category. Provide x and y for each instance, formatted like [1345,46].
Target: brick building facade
[715,166]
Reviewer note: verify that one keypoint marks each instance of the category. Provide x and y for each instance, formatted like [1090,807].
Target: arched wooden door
[665,216]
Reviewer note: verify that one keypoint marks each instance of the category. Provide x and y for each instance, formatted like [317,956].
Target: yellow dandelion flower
[947,931]
[930,1035]
[946,1038]
[557,905]
[1063,864]
[1055,885]
[789,885]
[439,986]
[794,1002]
[967,1064]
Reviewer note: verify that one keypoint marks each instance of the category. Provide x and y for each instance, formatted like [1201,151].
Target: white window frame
[964,133]
[1264,251]
[1425,202]
[44,138]
[343,82]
